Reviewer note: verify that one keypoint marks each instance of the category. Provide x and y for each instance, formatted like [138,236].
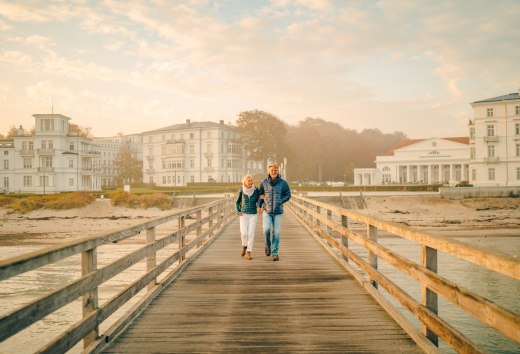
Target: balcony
[46,169]
[45,151]
[491,139]
[26,152]
[493,159]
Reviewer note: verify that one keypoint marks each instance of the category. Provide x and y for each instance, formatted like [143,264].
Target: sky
[134,66]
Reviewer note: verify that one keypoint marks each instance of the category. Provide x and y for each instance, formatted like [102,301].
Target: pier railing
[190,230]
[332,226]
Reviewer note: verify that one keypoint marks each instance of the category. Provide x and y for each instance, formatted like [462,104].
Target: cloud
[34,40]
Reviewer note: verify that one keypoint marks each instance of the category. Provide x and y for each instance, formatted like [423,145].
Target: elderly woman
[246,206]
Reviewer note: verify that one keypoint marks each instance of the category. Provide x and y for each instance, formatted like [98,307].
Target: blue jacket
[245,204]
[276,193]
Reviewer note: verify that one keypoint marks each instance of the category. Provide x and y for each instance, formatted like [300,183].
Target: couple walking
[267,201]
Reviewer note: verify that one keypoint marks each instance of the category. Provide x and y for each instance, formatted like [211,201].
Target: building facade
[195,152]
[494,136]
[50,161]
[420,161]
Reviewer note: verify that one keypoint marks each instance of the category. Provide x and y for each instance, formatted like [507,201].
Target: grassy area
[24,204]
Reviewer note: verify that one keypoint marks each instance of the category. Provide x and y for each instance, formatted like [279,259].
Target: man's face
[273,171]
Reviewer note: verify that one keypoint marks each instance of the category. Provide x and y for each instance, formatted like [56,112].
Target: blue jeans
[272,222]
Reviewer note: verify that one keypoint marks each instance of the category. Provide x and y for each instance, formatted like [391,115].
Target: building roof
[189,125]
[508,97]
[403,143]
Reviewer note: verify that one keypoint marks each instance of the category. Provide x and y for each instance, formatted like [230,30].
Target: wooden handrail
[204,230]
[318,217]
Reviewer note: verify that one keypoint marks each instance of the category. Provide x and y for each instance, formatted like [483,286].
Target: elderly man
[274,192]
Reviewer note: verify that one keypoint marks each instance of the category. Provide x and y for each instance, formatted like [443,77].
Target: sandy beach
[468,217]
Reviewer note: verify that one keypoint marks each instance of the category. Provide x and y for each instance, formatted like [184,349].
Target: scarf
[248,191]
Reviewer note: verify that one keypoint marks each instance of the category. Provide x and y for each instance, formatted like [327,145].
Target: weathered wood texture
[306,302]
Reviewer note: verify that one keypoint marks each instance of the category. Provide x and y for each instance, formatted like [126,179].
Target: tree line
[315,149]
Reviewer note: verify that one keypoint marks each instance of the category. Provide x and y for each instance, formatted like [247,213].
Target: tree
[76,130]
[129,168]
[13,131]
[263,135]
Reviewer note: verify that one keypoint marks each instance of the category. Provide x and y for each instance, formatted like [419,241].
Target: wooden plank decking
[306,302]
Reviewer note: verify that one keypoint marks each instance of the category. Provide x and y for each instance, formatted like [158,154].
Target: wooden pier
[306,302]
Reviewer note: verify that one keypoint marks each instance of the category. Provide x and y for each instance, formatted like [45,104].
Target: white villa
[428,161]
[494,135]
[490,156]
[50,161]
[195,152]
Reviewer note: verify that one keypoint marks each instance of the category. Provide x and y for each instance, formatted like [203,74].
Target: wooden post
[90,299]
[344,239]
[211,216]
[182,239]
[329,229]
[151,261]
[199,228]
[429,297]
[372,258]
[318,211]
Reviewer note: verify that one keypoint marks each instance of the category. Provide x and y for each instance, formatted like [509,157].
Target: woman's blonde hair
[245,178]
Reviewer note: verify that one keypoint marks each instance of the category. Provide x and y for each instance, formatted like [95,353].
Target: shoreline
[468,218]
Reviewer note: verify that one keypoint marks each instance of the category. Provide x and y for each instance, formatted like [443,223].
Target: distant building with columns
[420,161]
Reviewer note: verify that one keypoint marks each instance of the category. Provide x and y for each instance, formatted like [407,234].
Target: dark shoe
[275,258]
[243,251]
[267,252]
[248,256]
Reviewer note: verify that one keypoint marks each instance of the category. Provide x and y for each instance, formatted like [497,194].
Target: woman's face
[248,182]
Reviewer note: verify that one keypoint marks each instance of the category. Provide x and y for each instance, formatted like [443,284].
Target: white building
[426,161]
[495,141]
[195,152]
[50,161]
[109,148]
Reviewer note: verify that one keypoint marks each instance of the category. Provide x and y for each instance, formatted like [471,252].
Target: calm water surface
[500,289]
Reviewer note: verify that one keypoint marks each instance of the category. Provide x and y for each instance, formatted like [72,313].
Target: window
[473,175]
[208,135]
[517,128]
[47,161]
[6,152]
[518,173]
[192,136]
[192,148]
[51,144]
[71,182]
[208,147]
[164,179]
[209,162]
[472,153]
[517,110]
[71,163]
[491,151]
[490,130]
[31,146]
[192,179]
[43,144]
[6,164]
[490,112]
[47,125]
[472,133]
[27,181]
[71,146]
[491,174]
[6,182]
[27,162]
[517,150]
[192,163]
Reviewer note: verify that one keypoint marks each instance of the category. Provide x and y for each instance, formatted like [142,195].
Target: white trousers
[247,230]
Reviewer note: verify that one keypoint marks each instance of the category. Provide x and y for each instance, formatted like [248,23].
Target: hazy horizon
[413,67]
